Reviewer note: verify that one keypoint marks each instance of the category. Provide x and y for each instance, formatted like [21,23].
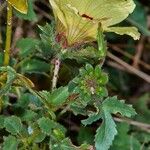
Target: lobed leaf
[113,105]
[106,132]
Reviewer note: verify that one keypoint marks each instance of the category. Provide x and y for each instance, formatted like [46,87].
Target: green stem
[8,35]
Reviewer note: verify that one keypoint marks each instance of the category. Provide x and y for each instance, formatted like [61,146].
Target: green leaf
[11,76]
[10,143]
[78,107]
[2,121]
[35,66]
[92,118]
[28,115]
[13,125]
[123,140]
[85,136]
[66,144]
[57,97]
[113,105]
[88,54]
[106,132]
[31,16]
[46,125]
[26,46]
[40,137]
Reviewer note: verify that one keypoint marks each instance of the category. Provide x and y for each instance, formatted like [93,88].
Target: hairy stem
[56,71]
[8,35]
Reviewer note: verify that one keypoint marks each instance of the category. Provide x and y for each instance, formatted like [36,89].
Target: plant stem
[56,71]
[8,35]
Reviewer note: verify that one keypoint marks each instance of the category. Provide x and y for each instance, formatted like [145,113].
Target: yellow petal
[80,18]
[20,5]
[108,12]
[131,31]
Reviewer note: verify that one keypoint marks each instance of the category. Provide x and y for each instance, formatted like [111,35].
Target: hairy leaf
[46,125]
[13,124]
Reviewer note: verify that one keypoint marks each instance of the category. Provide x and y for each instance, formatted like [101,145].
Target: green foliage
[2,121]
[125,141]
[106,132]
[10,143]
[57,97]
[35,66]
[114,106]
[141,20]
[46,125]
[27,46]
[38,117]
[85,136]
[13,124]
[8,75]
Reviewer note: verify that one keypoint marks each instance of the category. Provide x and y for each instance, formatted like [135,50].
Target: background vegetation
[127,63]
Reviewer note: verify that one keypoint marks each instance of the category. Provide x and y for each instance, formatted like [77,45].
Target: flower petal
[80,18]
[105,11]
[56,5]
[131,31]
[20,5]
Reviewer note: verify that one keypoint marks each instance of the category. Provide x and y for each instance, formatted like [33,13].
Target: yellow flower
[77,20]
[20,5]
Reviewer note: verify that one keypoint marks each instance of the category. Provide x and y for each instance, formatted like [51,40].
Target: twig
[57,63]
[133,70]
[8,35]
[117,49]
[115,65]
[138,54]
[143,126]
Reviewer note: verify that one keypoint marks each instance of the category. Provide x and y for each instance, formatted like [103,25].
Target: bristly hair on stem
[57,63]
